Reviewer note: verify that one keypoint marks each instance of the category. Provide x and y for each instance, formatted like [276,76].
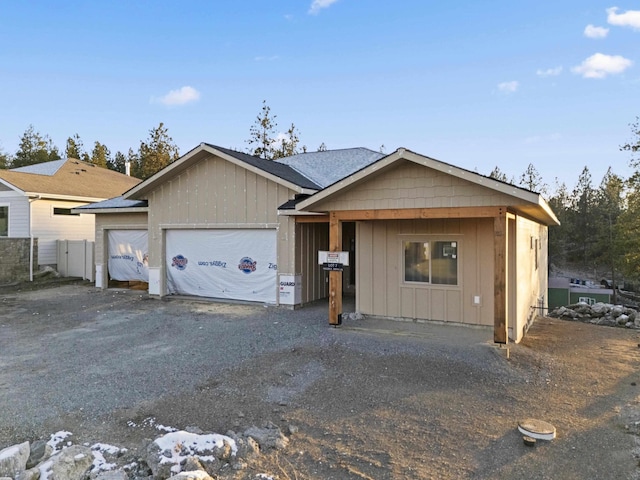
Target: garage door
[128,255]
[230,264]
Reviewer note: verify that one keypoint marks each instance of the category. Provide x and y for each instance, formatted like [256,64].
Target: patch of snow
[57,438]
[191,444]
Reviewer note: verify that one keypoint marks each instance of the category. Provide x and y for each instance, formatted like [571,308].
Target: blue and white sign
[233,264]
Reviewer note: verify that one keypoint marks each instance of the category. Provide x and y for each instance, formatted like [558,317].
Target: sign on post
[333,257]
[333,261]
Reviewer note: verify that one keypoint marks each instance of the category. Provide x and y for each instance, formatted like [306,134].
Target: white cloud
[179,97]
[549,72]
[600,65]
[630,18]
[591,31]
[318,5]
[508,87]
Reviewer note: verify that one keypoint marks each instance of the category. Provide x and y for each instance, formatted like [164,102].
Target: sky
[474,84]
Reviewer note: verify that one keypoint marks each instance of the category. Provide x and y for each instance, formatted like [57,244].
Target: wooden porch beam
[500,324]
[335,278]
[312,218]
[413,213]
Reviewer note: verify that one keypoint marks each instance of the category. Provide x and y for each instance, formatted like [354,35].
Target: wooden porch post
[335,278]
[500,325]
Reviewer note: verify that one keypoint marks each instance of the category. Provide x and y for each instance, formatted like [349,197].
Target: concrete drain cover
[538,429]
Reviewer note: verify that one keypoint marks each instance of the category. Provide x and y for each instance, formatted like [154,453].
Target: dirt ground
[371,400]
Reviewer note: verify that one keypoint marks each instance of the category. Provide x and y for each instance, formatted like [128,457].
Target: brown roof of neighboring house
[72,178]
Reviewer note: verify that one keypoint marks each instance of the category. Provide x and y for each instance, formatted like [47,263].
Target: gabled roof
[327,167]
[277,172]
[533,203]
[69,179]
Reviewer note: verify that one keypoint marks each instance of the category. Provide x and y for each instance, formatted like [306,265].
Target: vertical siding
[215,193]
[380,288]
[311,237]
[18,213]
[532,280]
[410,185]
[48,227]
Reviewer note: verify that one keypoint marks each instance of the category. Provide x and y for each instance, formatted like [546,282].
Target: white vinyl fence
[75,259]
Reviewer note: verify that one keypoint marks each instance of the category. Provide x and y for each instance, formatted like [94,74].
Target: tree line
[153,153]
[600,223]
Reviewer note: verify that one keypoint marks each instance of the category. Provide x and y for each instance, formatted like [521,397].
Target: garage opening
[128,259]
[234,264]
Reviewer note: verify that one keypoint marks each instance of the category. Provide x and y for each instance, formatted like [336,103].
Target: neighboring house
[565,291]
[425,239]
[37,201]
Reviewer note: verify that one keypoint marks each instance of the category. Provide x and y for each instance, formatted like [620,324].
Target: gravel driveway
[372,399]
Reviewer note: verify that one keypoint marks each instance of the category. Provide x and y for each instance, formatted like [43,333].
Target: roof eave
[184,162]
[55,196]
[111,210]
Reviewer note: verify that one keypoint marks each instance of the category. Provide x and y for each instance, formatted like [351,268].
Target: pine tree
[100,155]
[156,153]
[262,134]
[34,148]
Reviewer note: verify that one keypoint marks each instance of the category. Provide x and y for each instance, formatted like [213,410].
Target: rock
[31,474]
[166,455]
[72,463]
[269,437]
[617,310]
[195,475]
[40,451]
[112,475]
[599,308]
[13,460]
[622,319]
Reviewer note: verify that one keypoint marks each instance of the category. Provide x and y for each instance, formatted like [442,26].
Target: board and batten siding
[311,238]
[48,228]
[18,213]
[411,185]
[380,286]
[532,275]
[215,193]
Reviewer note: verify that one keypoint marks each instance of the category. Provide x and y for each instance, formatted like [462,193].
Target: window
[63,211]
[4,221]
[434,262]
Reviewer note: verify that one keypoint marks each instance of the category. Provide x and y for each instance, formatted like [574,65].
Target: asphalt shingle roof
[72,178]
[327,167]
[278,169]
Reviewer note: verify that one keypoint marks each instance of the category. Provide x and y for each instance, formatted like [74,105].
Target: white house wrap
[232,264]
[128,257]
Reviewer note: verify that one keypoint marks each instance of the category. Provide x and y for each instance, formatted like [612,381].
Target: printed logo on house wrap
[180,262]
[247,265]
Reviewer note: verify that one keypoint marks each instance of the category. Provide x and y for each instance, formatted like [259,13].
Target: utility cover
[537,429]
